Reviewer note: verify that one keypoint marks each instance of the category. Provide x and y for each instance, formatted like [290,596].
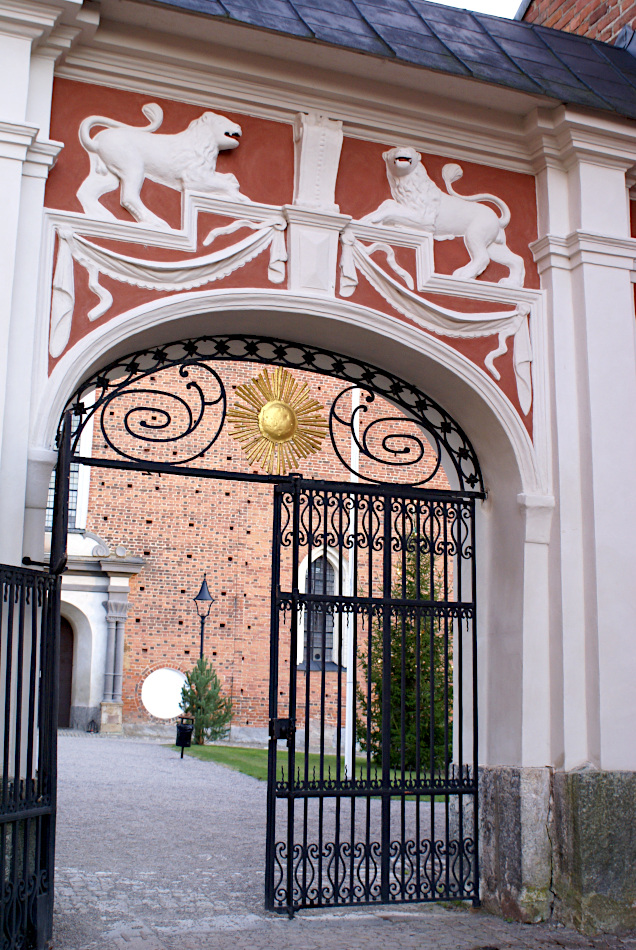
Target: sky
[505,8]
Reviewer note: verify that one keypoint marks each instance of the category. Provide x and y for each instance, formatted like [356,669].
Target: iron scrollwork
[393,445]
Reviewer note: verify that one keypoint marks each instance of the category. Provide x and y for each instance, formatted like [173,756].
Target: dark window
[72,491]
[318,623]
[72,499]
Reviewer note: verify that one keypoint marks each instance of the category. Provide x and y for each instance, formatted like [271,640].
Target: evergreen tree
[201,698]
[432,648]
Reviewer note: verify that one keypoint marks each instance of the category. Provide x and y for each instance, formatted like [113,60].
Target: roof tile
[509,53]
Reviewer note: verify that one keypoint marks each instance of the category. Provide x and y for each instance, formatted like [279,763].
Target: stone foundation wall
[594,877]
[559,845]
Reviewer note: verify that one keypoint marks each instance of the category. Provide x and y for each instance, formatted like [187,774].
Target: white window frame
[333,557]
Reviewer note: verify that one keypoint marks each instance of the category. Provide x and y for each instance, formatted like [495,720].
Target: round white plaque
[161,693]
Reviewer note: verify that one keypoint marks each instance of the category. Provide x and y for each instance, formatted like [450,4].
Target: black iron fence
[28,631]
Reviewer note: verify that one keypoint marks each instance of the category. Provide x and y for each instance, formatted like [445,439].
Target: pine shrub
[201,698]
[404,661]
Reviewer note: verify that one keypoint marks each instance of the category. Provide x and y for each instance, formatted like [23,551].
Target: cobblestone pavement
[155,853]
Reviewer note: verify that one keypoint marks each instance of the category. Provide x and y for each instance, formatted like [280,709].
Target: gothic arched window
[320,579]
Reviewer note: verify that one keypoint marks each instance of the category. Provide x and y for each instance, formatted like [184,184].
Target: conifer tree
[201,698]
[404,668]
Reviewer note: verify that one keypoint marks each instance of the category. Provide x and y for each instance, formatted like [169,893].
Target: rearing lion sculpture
[124,155]
[418,203]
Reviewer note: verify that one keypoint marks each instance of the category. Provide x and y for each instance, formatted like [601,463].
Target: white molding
[27,19]
[538,511]
[560,137]
[96,348]
[317,146]
[16,139]
[584,247]
[40,158]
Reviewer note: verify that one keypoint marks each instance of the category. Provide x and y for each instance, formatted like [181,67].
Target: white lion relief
[122,156]
[418,203]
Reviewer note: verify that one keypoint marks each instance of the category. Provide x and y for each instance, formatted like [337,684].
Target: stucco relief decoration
[419,205]
[122,157]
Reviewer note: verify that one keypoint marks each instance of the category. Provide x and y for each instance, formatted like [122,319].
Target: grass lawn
[254,761]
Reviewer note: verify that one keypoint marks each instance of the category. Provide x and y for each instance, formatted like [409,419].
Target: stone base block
[515,845]
[111,720]
[82,716]
[595,850]
[559,845]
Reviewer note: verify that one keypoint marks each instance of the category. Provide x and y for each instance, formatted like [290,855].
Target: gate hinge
[282,728]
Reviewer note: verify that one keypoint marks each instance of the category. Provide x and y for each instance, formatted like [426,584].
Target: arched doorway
[410,552]
[65,686]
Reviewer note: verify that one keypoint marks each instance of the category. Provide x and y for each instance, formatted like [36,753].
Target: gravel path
[155,853]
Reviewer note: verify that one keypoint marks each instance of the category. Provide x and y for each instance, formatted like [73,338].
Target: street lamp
[203,601]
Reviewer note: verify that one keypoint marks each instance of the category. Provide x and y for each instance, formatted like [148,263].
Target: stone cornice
[562,137]
[52,26]
[583,247]
[29,19]
[40,158]
[15,140]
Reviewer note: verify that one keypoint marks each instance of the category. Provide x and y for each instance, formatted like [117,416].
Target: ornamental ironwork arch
[201,404]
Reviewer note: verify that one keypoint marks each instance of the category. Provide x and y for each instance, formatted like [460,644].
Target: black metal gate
[373,753]
[29,637]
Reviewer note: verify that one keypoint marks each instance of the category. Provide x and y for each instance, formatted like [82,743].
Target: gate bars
[29,639]
[384,812]
[28,612]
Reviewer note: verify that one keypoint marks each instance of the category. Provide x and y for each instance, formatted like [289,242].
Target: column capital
[16,139]
[562,137]
[538,511]
[584,247]
[116,610]
[41,157]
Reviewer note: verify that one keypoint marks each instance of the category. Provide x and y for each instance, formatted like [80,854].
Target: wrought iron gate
[373,659]
[29,637]
[372,791]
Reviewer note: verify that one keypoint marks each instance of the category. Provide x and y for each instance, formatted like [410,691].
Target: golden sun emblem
[278,423]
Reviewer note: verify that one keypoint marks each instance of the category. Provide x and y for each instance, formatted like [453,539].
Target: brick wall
[598,20]
[183,527]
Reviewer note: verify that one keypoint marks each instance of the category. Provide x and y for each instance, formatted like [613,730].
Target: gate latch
[282,728]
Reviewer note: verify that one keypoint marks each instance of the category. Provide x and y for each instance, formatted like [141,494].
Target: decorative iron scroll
[200,407]
[435,526]
[343,873]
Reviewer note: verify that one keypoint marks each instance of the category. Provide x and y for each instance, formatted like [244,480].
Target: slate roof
[522,56]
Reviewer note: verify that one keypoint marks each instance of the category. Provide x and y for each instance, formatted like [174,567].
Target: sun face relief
[278,423]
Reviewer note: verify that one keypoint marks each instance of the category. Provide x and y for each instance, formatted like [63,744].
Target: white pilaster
[33,34]
[537,708]
[585,255]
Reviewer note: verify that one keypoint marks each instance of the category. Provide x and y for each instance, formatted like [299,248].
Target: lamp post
[203,601]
